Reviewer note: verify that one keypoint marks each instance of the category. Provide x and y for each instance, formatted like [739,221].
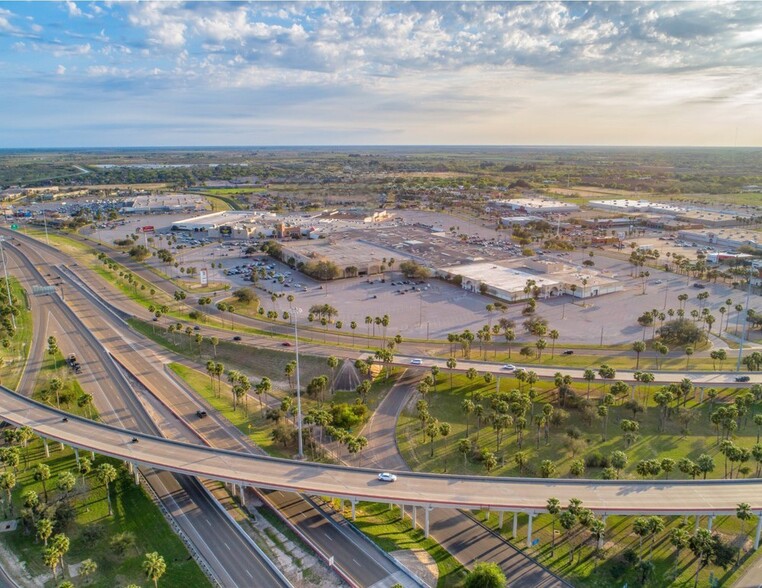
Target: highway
[356,558]
[220,543]
[673,497]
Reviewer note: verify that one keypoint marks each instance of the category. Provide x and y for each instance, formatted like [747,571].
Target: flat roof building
[536,205]
[508,282]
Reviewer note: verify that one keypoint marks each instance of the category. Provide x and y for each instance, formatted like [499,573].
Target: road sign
[203,276]
[14,226]
[535,542]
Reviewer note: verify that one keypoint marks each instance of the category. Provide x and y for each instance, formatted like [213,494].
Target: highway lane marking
[327,536]
[226,545]
[248,573]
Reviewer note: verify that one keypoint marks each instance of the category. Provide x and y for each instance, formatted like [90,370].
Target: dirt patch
[420,563]
[16,569]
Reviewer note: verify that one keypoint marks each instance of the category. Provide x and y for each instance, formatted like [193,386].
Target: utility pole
[745,322]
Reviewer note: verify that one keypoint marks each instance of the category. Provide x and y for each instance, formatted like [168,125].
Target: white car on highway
[509,367]
[387,477]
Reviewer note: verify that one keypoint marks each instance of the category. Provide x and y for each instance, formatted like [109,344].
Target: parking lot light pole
[295,313]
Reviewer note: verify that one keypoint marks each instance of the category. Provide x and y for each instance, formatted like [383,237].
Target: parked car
[699,286]
[387,477]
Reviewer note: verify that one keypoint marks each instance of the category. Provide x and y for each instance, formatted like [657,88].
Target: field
[575,438]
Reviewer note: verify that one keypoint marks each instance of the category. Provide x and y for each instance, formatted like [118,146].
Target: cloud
[73,8]
[61,70]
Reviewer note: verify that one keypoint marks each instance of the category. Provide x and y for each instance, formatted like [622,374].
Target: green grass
[609,567]
[252,424]
[15,356]
[92,528]
[258,360]
[445,404]
[390,533]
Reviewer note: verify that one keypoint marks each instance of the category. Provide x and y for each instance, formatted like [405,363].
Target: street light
[295,312]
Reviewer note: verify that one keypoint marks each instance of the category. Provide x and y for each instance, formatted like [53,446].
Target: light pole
[746,322]
[7,282]
[295,313]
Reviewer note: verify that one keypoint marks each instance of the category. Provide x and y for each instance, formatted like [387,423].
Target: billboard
[203,276]
[148,229]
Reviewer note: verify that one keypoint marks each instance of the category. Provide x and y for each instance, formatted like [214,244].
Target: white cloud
[60,70]
[73,8]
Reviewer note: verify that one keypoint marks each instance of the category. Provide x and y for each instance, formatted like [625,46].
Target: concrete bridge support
[426,511]
[759,531]
[529,529]
[76,456]
[515,524]
[47,447]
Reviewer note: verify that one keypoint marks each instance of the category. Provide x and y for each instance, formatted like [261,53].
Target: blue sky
[322,73]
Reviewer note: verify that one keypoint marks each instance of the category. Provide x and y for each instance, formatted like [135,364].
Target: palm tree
[154,567]
[554,508]
[468,407]
[638,347]
[743,513]
[589,376]
[44,529]
[451,364]
[553,335]
[105,474]
[678,537]
[42,475]
[333,363]
[88,567]
[8,483]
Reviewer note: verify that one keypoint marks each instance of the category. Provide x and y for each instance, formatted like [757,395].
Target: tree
[554,509]
[66,483]
[485,575]
[464,447]
[553,335]
[547,468]
[154,567]
[87,567]
[8,483]
[618,461]
[589,376]
[702,546]
[451,364]
[638,347]
[42,475]
[744,513]
[679,538]
[105,473]
[85,465]
[44,530]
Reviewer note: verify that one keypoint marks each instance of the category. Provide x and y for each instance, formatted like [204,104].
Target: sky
[162,73]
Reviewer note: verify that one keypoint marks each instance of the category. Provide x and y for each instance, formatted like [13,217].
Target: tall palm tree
[554,508]
[154,567]
[105,474]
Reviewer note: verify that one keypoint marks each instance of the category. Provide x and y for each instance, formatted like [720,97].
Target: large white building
[626,205]
[226,218]
[553,278]
[535,205]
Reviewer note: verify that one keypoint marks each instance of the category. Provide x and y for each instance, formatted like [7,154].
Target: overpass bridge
[697,498]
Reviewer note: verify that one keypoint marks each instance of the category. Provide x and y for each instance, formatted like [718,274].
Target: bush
[596,460]
[681,331]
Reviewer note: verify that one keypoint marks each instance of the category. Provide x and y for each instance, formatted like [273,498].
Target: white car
[509,367]
[416,362]
[387,477]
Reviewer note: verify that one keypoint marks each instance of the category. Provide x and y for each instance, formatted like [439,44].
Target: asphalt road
[667,497]
[467,540]
[355,556]
[220,542]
